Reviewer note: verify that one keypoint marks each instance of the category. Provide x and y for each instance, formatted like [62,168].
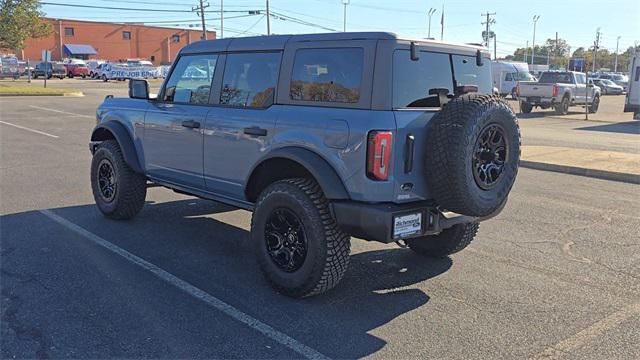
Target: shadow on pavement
[629,127]
[182,238]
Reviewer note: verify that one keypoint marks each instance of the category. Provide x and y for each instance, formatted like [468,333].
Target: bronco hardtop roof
[278,42]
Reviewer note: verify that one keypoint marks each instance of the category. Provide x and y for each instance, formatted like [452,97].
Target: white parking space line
[197,293]
[583,337]
[61,112]
[29,129]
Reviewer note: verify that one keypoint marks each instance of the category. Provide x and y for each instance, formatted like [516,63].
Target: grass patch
[11,88]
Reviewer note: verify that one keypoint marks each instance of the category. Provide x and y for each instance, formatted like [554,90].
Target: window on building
[250,79]
[328,75]
[126,35]
[175,38]
[190,81]
[68,31]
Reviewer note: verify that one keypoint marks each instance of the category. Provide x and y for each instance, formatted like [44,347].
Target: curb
[71,94]
[592,173]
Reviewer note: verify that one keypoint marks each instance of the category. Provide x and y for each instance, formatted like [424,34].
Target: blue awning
[79,49]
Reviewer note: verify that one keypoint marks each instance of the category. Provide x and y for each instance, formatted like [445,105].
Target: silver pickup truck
[558,89]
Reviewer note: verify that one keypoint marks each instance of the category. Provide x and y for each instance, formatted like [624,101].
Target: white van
[506,75]
[632,101]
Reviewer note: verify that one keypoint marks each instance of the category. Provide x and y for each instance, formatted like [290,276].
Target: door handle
[255,131]
[191,124]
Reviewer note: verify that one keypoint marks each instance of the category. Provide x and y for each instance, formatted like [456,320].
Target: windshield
[522,76]
[607,82]
[418,83]
[618,77]
[555,77]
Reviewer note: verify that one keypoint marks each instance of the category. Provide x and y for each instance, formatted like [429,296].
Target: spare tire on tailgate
[473,151]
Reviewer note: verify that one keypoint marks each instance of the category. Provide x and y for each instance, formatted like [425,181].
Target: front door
[239,130]
[173,125]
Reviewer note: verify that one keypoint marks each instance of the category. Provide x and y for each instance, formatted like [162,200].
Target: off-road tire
[452,138]
[131,188]
[448,242]
[595,104]
[328,247]
[563,107]
[525,107]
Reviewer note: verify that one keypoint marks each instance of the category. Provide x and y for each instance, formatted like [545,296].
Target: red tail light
[554,90]
[379,146]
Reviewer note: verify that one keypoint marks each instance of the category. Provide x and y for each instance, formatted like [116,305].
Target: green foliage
[20,20]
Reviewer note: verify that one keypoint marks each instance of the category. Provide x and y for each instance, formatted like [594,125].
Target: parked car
[558,90]
[608,87]
[323,137]
[632,100]
[51,70]
[77,69]
[506,75]
[618,79]
[93,65]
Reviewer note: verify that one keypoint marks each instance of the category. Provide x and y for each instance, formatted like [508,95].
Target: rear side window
[417,83]
[250,79]
[327,75]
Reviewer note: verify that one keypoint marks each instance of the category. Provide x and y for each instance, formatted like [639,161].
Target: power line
[136,9]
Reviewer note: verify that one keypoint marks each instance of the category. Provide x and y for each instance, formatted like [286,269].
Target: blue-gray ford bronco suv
[322,137]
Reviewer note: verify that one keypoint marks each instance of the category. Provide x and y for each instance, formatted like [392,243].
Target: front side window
[580,79]
[419,83]
[327,75]
[509,76]
[250,79]
[190,81]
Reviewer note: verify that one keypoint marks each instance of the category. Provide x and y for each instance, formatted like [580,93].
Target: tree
[20,20]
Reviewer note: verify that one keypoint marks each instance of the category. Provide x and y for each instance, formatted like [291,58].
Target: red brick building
[111,41]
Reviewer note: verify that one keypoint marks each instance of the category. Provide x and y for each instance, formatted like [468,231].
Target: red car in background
[77,69]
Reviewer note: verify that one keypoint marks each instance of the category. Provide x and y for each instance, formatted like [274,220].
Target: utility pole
[615,67]
[495,47]
[488,23]
[533,45]
[430,14]
[526,53]
[221,19]
[596,46]
[344,16]
[268,19]
[555,45]
[200,10]
[442,23]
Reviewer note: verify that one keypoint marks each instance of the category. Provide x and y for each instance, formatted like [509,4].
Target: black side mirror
[138,89]
[479,61]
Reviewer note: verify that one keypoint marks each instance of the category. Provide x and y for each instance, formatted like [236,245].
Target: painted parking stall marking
[211,300]
[61,112]
[29,129]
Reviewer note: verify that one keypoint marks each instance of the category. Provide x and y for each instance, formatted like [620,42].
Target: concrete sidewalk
[609,165]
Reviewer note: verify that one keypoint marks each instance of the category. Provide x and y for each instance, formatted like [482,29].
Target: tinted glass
[555,77]
[509,76]
[190,81]
[250,79]
[413,81]
[328,75]
[467,72]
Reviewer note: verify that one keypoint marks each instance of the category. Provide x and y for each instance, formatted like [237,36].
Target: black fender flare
[319,168]
[123,138]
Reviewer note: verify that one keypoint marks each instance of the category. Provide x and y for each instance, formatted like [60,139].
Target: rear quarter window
[332,75]
[414,80]
[467,72]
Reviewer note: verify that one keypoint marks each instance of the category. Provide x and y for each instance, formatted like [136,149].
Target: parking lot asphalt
[556,275]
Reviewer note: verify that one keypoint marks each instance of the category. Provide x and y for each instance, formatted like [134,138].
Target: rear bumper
[375,222]
[534,100]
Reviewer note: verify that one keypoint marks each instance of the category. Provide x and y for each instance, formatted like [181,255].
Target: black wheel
[526,107]
[104,78]
[595,104]
[514,94]
[604,91]
[472,155]
[448,242]
[118,191]
[70,76]
[299,246]
[563,107]
[84,76]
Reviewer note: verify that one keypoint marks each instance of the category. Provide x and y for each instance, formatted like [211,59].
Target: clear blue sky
[576,21]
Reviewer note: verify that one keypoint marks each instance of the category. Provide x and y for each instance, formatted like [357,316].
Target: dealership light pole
[615,67]
[344,16]
[533,45]
[430,14]
[268,19]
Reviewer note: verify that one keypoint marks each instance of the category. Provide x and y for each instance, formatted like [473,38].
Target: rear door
[173,124]
[238,130]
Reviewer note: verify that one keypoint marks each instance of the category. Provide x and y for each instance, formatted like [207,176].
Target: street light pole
[615,67]
[268,19]
[533,45]
[344,16]
[429,14]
